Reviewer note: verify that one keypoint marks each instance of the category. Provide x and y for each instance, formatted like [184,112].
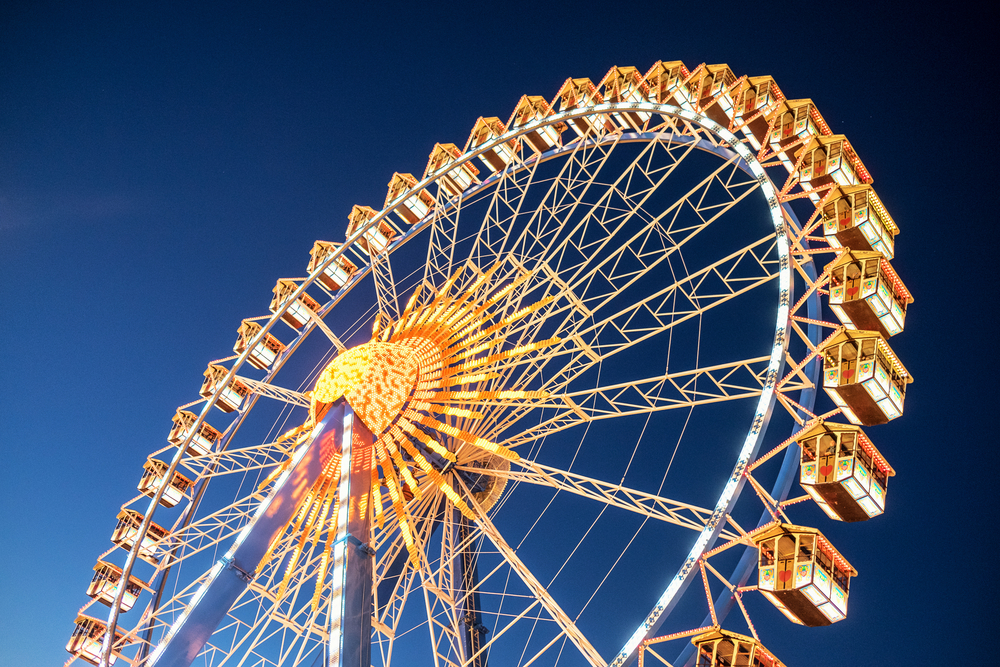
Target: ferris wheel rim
[730,146]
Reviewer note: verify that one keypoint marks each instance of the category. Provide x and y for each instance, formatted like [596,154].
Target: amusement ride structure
[545,406]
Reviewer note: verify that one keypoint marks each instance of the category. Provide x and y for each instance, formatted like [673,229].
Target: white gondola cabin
[664,81]
[377,238]
[829,160]
[231,396]
[128,527]
[297,313]
[802,575]
[337,273]
[154,472]
[531,108]
[863,377]
[794,120]
[751,101]
[712,90]
[201,443]
[500,156]
[454,181]
[416,206]
[865,293]
[721,648]
[854,217]
[754,95]
[625,85]
[263,354]
[105,584]
[87,640]
[843,471]
[580,94]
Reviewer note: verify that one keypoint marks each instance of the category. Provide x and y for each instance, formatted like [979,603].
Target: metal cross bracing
[583,241]
[617,495]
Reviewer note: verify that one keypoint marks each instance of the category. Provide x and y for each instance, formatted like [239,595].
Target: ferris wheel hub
[376,378]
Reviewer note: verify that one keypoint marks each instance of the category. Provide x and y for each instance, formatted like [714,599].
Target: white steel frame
[300,632]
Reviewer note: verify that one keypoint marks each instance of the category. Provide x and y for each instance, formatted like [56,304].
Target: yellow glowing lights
[398,385]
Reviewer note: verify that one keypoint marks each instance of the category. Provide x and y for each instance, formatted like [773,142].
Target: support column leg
[350,614]
[467,575]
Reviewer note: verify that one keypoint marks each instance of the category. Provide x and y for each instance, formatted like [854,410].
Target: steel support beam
[350,617]
[466,574]
[231,574]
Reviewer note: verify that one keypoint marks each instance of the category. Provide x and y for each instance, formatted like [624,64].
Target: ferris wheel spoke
[541,595]
[269,390]
[206,532]
[582,252]
[662,236]
[556,220]
[565,193]
[260,618]
[699,292]
[741,271]
[503,210]
[613,495]
[589,345]
[395,577]
[243,459]
[385,285]
[734,381]
[509,610]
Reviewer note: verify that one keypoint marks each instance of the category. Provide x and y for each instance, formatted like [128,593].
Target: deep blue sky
[161,164]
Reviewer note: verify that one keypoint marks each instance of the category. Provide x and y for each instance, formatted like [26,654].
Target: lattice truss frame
[546,260]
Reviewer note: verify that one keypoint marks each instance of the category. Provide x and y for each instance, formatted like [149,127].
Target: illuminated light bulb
[453,381]
[455,412]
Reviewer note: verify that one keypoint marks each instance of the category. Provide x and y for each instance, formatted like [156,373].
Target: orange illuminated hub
[201,443]
[854,217]
[232,394]
[862,375]
[154,472]
[87,640]
[415,206]
[802,575]
[721,648]
[337,273]
[410,385]
[501,155]
[105,584]
[297,313]
[263,353]
[843,471]
[865,293]
[127,529]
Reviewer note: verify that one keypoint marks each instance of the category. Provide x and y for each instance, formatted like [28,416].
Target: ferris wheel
[512,415]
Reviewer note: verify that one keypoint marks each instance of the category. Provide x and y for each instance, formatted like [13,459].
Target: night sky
[161,165]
